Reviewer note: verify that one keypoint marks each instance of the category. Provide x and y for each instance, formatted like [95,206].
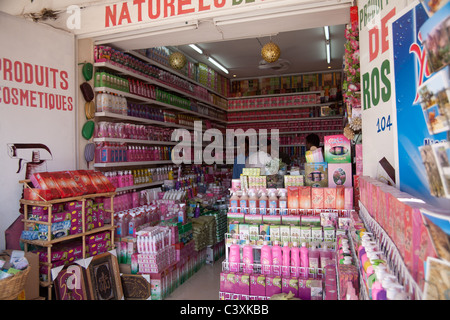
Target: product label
[283,207]
[234,205]
[243,205]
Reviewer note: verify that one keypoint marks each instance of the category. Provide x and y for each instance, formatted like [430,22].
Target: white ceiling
[304,49]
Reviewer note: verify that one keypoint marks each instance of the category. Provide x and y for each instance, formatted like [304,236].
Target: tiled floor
[203,285]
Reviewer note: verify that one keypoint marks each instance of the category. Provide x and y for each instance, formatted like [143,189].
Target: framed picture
[104,277]
[71,283]
[136,287]
[437,283]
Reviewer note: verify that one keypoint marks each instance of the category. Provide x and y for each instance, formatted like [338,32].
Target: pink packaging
[98,237]
[358,160]
[257,285]
[273,285]
[340,197]
[348,199]
[242,283]
[304,289]
[317,195]
[329,196]
[290,285]
[227,282]
[340,174]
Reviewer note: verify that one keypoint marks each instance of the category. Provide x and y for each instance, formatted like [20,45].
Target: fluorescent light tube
[328,53]
[193,46]
[327,32]
[218,65]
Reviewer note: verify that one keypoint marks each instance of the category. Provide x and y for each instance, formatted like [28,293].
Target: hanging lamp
[270,52]
[177,60]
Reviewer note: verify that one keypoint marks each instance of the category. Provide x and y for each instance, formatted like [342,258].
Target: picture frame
[71,283]
[136,287]
[104,277]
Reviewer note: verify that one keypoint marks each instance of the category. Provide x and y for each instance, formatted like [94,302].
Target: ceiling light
[328,52]
[177,60]
[193,46]
[218,65]
[270,52]
[326,29]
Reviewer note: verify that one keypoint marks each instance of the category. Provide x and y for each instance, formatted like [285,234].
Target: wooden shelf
[49,243]
[49,203]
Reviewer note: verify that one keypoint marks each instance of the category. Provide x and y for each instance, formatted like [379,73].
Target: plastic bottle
[234,202]
[314,257]
[286,270]
[295,260]
[304,256]
[247,257]
[243,202]
[273,203]
[253,202]
[263,203]
[325,256]
[266,259]
[282,203]
[277,258]
[235,257]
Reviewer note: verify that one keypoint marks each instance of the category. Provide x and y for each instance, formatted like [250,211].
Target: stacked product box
[244,286]
[66,220]
[62,254]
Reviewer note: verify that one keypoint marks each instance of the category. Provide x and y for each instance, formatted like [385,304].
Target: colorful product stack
[62,254]
[66,184]
[348,273]
[104,129]
[404,219]
[281,269]
[292,200]
[66,220]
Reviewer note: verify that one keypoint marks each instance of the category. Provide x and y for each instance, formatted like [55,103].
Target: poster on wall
[377,102]
[421,57]
[37,103]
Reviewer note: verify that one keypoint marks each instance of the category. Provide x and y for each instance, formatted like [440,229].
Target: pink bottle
[286,270]
[304,256]
[247,257]
[277,258]
[235,257]
[266,259]
[295,260]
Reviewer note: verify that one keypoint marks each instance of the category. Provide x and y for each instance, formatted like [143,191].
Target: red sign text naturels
[128,12]
[24,73]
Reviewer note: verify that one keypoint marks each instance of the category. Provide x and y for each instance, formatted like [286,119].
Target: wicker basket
[11,287]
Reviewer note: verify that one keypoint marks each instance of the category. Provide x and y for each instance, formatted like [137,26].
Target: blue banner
[422,120]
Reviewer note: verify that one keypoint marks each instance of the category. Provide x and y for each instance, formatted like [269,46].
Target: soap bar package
[316,174]
[339,174]
[337,149]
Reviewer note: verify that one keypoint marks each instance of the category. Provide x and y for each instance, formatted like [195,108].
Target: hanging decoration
[351,83]
[177,60]
[270,52]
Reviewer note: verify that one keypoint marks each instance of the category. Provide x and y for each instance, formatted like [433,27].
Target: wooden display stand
[49,243]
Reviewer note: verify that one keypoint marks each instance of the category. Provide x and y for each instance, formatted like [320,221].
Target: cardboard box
[340,174]
[337,149]
[316,174]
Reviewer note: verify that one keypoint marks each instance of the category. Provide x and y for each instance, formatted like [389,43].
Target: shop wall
[37,103]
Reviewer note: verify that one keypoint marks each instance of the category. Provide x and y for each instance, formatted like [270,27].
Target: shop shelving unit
[48,244]
[393,256]
[207,112]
